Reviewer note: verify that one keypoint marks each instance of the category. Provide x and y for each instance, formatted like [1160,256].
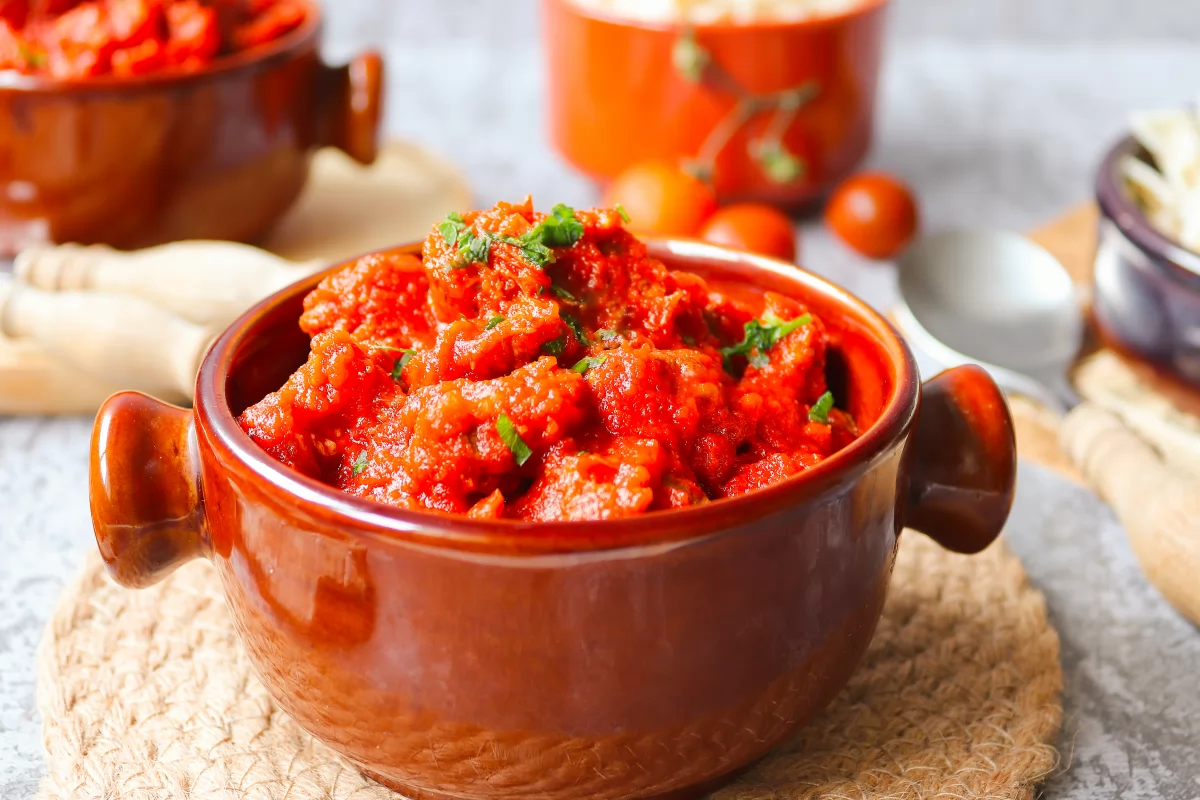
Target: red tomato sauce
[581,381]
[72,39]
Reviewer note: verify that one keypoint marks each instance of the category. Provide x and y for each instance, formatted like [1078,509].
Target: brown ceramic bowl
[779,114]
[1145,287]
[216,154]
[646,657]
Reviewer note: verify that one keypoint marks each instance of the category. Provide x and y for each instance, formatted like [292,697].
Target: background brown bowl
[217,154]
[632,658]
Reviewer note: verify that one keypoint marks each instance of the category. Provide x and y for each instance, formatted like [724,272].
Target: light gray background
[995,110]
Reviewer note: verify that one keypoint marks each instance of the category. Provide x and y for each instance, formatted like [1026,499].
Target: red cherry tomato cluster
[873,213]
[661,197]
[71,39]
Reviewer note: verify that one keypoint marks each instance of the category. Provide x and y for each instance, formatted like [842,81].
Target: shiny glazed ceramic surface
[1146,288]
[646,657]
[217,154]
[780,112]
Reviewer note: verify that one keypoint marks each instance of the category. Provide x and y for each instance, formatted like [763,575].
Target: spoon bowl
[996,299]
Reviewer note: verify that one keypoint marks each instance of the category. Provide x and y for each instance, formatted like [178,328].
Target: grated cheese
[1169,190]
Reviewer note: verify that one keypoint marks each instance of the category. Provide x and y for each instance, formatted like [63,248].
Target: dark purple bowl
[1146,287]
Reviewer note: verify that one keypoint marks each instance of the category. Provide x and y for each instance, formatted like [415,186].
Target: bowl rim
[864,8]
[241,61]
[1116,206]
[221,431]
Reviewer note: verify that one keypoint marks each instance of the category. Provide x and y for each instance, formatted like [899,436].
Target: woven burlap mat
[148,695]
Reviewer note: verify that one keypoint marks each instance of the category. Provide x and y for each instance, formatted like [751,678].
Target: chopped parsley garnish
[531,246]
[563,294]
[401,363]
[588,362]
[359,464]
[559,228]
[624,214]
[471,248]
[572,323]
[761,337]
[605,335]
[451,227]
[493,322]
[512,440]
[475,249]
[556,347]
[820,409]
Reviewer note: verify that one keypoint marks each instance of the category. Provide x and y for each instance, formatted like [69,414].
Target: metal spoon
[1002,301]
[998,300]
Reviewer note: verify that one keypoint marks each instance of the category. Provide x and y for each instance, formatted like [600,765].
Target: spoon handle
[1159,507]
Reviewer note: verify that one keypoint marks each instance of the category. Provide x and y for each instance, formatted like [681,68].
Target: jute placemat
[148,696]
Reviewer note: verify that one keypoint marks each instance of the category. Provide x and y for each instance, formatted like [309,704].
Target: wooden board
[1071,238]
[1164,412]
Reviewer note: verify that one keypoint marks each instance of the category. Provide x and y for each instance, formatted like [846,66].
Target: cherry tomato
[754,227]
[662,198]
[873,213]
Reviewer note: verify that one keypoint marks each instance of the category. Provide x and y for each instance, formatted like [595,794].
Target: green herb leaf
[451,227]
[493,322]
[563,294]
[572,323]
[560,228]
[820,409]
[556,347]
[624,214]
[605,335]
[761,337]
[401,363]
[512,440]
[588,362]
[474,248]
[359,464]
[531,247]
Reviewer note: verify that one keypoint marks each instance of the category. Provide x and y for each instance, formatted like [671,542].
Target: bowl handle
[964,461]
[350,102]
[146,506]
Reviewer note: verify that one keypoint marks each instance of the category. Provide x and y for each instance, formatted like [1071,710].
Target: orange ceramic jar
[775,112]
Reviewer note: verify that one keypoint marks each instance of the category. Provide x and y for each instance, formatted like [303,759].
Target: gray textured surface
[996,110]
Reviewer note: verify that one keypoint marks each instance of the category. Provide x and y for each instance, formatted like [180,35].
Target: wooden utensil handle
[1159,509]
[33,382]
[126,341]
[209,283]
